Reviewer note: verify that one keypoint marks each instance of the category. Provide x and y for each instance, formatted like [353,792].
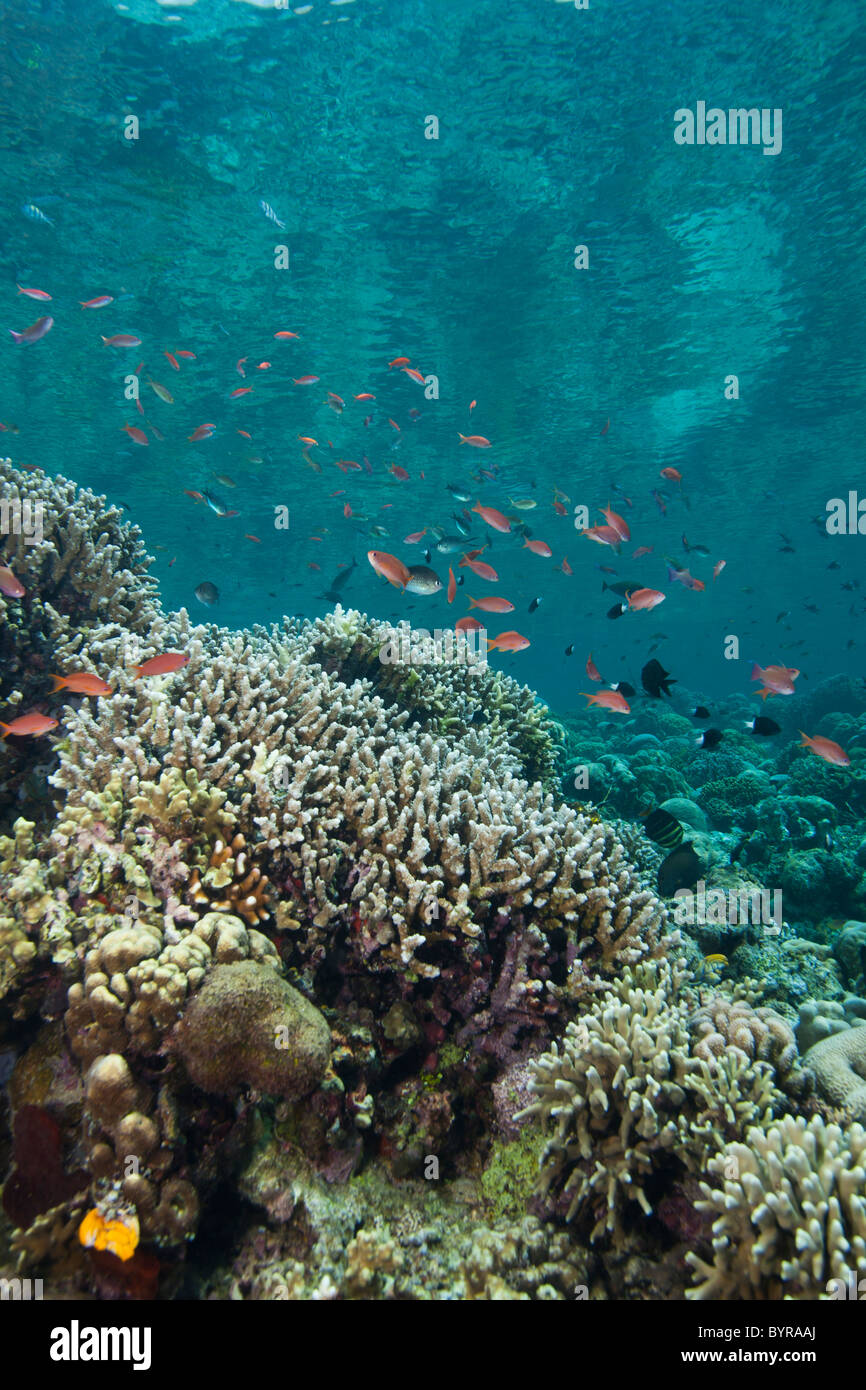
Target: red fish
[558,507]
[307,439]
[476,440]
[98,303]
[304,380]
[479,567]
[248,537]
[239,366]
[414,537]
[36,294]
[136,435]
[642,550]
[201,432]
[196,496]
[660,502]
[81,683]
[645,599]
[399,362]
[10,584]
[36,331]
[122,340]
[826,749]
[263,366]
[452,585]
[173,360]
[389,567]
[606,428]
[491,604]
[566,567]
[604,535]
[398,472]
[184,352]
[365,396]
[508,642]
[472,405]
[538,548]
[683,577]
[592,669]
[778,680]
[162,665]
[717,569]
[416,376]
[394,425]
[347,509]
[468,625]
[672,473]
[608,699]
[34,725]
[240,391]
[285,334]
[619,524]
[492,517]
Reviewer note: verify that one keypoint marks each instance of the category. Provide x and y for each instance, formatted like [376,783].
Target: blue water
[556,129]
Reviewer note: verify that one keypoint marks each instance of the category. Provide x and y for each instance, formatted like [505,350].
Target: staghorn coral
[627,1095]
[790,1207]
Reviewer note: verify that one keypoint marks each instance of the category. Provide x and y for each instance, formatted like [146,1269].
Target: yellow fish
[716,959]
[161,391]
[523,504]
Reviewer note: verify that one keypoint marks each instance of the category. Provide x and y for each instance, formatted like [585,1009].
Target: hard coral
[231,883]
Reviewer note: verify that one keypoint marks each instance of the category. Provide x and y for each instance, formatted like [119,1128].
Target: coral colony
[318,951]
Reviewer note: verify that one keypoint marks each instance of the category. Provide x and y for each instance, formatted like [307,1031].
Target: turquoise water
[555,129]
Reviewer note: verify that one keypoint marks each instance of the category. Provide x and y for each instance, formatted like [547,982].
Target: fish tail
[756,672]
[807,742]
[16,337]
[59,682]
[5,727]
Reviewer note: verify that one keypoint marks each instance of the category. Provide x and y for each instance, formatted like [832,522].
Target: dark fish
[701,713]
[449,544]
[663,828]
[339,582]
[763,725]
[207,593]
[533,605]
[625,688]
[625,586]
[693,549]
[458,493]
[681,869]
[655,680]
[710,738]
[617,610]
[569,651]
[461,525]
[423,580]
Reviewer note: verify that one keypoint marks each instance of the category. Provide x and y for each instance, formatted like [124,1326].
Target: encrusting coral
[839,1064]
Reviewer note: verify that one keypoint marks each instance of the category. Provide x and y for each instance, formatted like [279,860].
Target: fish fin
[59,682]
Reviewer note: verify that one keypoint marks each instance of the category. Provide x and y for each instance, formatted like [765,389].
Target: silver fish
[35,214]
[269,212]
[215,504]
[449,544]
[423,580]
[207,593]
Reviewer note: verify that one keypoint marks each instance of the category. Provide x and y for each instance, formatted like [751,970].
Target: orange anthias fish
[162,665]
[777,680]
[538,548]
[82,683]
[201,432]
[10,584]
[468,625]
[604,535]
[478,567]
[592,669]
[687,580]
[492,517]
[645,599]
[491,604]
[398,472]
[389,567]
[826,749]
[642,550]
[399,362]
[717,568]
[136,435]
[414,537]
[184,352]
[452,585]
[508,642]
[672,473]
[284,333]
[476,440]
[566,567]
[35,294]
[33,725]
[608,699]
[173,360]
[619,523]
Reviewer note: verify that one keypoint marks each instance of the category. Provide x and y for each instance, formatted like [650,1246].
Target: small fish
[523,504]
[663,829]
[493,517]
[33,294]
[36,331]
[240,391]
[390,568]
[184,352]
[777,680]
[655,680]
[364,396]
[660,502]
[173,360]
[617,610]
[538,548]
[642,550]
[399,362]
[825,748]
[701,713]
[608,699]
[414,537]
[619,524]
[400,473]
[491,604]
[29,725]
[136,435]
[716,958]
[225,480]
[468,625]
[218,506]
[415,375]
[508,642]
[10,585]
[99,302]
[683,577]
[207,593]
[160,391]
[162,665]
[284,333]
[452,585]
[458,493]
[671,473]
[591,669]
[248,537]
[480,568]
[304,380]
[565,567]
[681,869]
[423,580]
[201,432]
[476,440]
[534,605]
[645,599]
[569,651]
[121,340]
[763,726]
[81,683]
[717,568]
[625,688]
[35,214]
[271,215]
[710,738]
[603,535]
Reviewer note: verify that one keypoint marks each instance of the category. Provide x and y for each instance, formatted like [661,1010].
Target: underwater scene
[432,597]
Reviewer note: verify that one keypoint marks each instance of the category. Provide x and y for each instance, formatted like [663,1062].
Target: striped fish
[269,212]
[35,214]
[663,828]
